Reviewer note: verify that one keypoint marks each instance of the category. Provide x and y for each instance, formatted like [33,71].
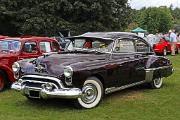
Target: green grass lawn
[137,103]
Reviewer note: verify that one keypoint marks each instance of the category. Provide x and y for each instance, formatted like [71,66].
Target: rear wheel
[164,52]
[92,93]
[3,80]
[156,83]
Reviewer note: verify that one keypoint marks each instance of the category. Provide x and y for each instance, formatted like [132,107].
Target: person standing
[173,39]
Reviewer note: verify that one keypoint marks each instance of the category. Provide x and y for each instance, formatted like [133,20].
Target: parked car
[96,63]
[14,49]
[61,38]
[162,46]
[2,37]
[62,41]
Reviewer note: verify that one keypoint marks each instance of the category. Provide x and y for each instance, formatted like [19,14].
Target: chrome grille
[38,81]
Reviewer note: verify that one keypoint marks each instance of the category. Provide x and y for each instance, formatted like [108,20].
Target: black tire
[178,50]
[156,83]
[93,93]
[164,53]
[3,80]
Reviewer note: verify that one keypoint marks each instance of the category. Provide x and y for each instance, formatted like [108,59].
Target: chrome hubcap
[157,81]
[89,93]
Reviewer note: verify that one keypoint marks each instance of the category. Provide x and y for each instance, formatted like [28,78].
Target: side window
[124,46]
[30,47]
[55,47]
[45,47]
[141,46]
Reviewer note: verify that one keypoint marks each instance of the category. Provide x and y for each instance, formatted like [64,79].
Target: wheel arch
[100,78]
[8,72]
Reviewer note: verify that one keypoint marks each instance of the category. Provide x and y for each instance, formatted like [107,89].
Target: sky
[138,4]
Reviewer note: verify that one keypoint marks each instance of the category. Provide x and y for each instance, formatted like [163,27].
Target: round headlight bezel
[16,67]
[68,71]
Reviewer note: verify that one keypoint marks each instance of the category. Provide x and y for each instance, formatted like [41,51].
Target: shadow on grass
[50,103]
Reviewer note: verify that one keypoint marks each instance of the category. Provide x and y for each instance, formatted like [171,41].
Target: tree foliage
[45,17]
[176,15]
[155,19]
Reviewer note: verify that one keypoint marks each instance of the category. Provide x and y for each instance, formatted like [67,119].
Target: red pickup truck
[13,49]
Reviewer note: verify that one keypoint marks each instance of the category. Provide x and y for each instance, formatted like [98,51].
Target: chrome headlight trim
[16,67]
[68,71]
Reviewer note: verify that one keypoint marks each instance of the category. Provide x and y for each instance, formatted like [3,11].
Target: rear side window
[124,46]
[141,46]
[45,47]
[30,47]
[55,46]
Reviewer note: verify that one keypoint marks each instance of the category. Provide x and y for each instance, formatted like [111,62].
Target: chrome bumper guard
[46,91]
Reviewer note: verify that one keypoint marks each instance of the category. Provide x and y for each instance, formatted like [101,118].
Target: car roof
[105,35]
[26,38]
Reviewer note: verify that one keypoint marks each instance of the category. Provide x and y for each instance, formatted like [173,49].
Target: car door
[143,50]
[121,56]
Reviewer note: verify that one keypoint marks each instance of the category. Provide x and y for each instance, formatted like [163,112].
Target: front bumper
[46,91]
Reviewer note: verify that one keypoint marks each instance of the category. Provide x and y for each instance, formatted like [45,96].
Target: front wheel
[92,93]
[156,83]
[3,81]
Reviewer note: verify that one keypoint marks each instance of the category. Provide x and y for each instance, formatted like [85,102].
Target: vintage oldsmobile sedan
[95,64]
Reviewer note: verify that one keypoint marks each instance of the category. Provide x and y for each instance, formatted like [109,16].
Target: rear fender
[157,67]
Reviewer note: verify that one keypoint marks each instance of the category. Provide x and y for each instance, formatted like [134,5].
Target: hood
[57,62]
[54,64]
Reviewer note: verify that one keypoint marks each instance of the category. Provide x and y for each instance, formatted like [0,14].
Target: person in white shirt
[173,39]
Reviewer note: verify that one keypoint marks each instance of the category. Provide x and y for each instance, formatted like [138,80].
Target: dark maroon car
[95,64]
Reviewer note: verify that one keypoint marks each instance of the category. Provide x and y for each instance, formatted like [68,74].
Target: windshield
[90,44]
[10,45]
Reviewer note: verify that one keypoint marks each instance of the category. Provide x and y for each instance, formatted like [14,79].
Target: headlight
[68,71]
[16,67]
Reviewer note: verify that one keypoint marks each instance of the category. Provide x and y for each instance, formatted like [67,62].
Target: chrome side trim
[149,75]
[114,89]
[45,77]
[164,67]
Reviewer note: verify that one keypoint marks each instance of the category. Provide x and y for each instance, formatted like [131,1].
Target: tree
[176,16]
[156,19]
[45,17]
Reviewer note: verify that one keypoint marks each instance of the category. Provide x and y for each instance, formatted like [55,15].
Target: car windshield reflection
[10,45]
[90,45]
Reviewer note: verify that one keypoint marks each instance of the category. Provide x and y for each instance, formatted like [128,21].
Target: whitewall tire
[156,83]
[92,93]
